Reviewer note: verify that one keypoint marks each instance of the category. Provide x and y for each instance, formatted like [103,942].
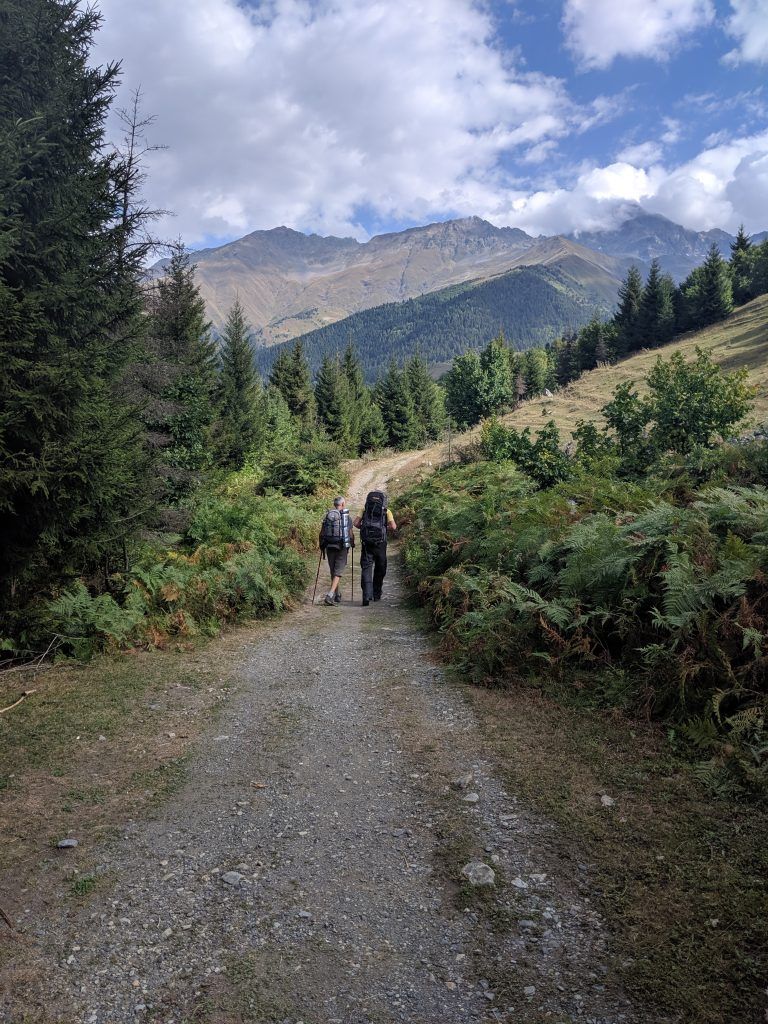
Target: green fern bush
[241,557]
[620,591]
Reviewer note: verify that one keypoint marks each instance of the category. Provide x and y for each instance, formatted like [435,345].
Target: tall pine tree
[656,317]
[181,411]
[394,399]
[741,267]
[72,455]
[334,403]
[497,376]
[427,399]
[465,390]
[627,316]
[239,387]
[290,375]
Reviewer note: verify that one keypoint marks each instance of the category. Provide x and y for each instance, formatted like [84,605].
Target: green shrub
[615,592]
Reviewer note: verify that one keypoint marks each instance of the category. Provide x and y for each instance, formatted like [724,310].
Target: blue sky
[353,117]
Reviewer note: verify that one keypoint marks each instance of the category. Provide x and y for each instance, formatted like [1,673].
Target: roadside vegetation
[618,589]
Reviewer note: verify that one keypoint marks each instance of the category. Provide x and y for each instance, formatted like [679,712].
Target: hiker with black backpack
[374,522]
[336,538]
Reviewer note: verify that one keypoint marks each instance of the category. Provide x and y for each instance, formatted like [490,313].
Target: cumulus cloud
[598,31]
[723,186]
[748,23]
[305,112]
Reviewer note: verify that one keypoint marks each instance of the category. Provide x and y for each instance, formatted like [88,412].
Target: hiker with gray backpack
[336,538]
[374,522]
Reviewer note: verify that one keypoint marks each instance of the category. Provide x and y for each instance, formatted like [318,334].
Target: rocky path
[310,867]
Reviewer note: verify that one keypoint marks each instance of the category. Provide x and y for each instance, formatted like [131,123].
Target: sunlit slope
[740,341]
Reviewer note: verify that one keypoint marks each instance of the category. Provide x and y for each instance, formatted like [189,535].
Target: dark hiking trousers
[373,569]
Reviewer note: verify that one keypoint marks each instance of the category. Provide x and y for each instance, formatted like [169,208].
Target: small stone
[495,858]
[541,877]
[463,781]
[529,990]
[232,877]
[478,873]
[519,883]
[67,844]
[168,933]
[470,798]
[305,914]
[607,801]
[102,739]
[526,924]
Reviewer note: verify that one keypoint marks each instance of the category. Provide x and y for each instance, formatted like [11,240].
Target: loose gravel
[310,868]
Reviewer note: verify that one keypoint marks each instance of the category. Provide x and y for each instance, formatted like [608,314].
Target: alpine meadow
[383,512]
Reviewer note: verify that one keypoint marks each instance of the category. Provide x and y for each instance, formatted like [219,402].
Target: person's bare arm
[392,525]
[357,521]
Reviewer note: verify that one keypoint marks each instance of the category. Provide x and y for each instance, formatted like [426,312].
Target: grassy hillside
[739,341]
[532,305]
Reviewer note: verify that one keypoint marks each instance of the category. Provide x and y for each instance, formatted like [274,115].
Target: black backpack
[334,533]
[373,525]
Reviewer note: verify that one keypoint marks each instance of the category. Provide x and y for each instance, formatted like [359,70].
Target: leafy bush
[241,557]
[614,592]
[304,471]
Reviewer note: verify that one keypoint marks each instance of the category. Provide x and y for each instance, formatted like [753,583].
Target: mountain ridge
[290,283]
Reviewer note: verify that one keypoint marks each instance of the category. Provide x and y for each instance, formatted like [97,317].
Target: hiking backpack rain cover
[335,531]
[373,526]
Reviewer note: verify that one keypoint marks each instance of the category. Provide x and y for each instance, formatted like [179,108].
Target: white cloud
[641,155]
[598,31]
[304,112]
[722,186]
[749,25]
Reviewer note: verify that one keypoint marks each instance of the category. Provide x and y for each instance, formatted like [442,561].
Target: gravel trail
[309,868]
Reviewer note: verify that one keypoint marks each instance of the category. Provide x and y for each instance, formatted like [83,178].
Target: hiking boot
[377,597]
[329,598]
[366,602]
[337,598]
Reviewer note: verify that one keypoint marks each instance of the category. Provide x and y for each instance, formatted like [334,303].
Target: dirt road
[309,868]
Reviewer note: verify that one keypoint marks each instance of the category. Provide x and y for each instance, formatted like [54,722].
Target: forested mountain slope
[289,283]
[530,304]
[739,341]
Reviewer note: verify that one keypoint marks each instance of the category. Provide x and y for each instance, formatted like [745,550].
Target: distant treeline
[649,314]
[532,305]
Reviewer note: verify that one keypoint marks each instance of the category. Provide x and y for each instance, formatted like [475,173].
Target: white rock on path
[478,873]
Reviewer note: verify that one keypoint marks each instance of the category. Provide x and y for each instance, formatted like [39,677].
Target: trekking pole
[352,578]
[314,592]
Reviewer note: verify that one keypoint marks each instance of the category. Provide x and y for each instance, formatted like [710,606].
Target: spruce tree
[566,359]
[427,399]
[181,411]
[741,267]
[373,434]
[535,371]
[239,387]
[290,375]
[627,315]
[359,395]
[656,317]
[394,399]
[497,376]
[465,390]
[334,404]
[72,454]
[707,293]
